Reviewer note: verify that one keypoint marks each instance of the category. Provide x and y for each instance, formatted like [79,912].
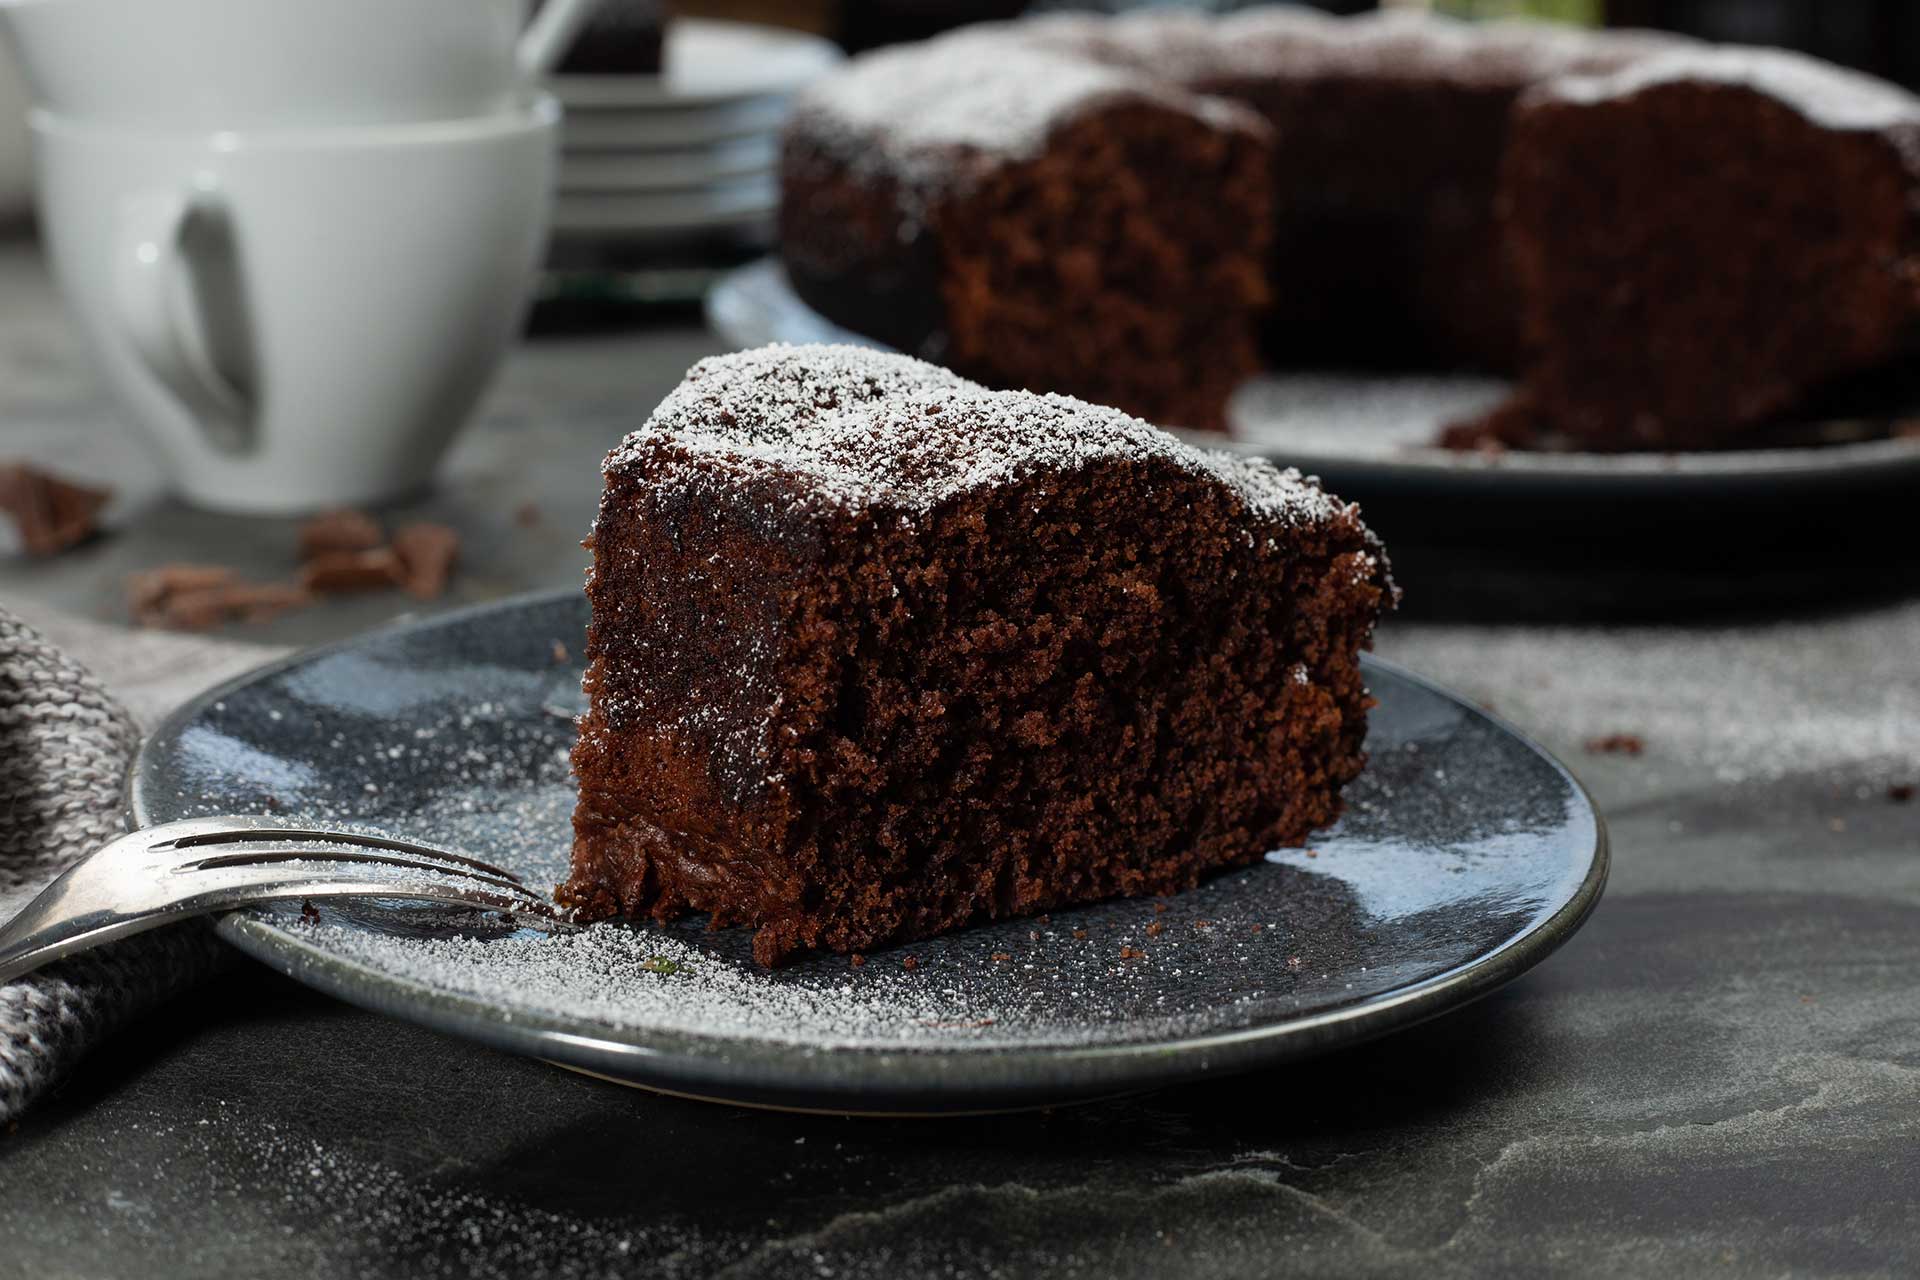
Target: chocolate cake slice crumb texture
[876,652]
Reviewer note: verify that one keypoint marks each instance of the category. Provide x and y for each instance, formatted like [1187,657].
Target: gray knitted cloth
[65,744]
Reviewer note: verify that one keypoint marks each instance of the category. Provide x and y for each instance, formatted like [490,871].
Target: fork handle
[71,914]
[159,875]
[51,926]
[40,935]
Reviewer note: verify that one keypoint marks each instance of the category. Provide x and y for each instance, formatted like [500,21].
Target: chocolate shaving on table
[341,551]
[50,513]
[199,597]
[335,572]
[344,529]
[239,602]
[149,589]
[426,553]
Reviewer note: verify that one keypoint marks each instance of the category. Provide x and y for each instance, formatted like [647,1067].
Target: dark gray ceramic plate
[1466,856]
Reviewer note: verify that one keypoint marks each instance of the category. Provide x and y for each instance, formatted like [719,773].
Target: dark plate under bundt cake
[1665,251]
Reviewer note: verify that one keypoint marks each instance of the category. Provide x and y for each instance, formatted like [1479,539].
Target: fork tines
[285,838]
[281,853]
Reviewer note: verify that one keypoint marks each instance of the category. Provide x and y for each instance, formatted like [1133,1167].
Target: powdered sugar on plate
[620,976]
[1386,426]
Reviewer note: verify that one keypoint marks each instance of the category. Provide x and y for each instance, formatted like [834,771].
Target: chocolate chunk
[199,597]
[341,530]
[49,513]
[334,572]
[426,552]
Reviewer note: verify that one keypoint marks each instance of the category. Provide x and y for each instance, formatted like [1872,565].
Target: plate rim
[585,172]
[890,1080]
[733,197]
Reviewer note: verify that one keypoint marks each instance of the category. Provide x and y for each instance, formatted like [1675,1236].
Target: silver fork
[161,874]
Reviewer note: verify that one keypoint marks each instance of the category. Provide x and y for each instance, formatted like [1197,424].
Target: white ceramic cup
[16,149]
[253,64]
[300,319]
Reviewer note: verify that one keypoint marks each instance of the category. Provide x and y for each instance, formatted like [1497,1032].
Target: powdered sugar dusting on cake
[996,92]
[953,93]
[991,91]
[1197,50]
[1179,45]
[868,428]
[1828,96]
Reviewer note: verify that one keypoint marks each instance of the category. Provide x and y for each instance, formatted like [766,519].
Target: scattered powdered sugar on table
[373,1216]
[1750,702]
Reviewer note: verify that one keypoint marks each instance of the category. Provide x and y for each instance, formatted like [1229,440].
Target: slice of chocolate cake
[876,652]
[1034,219]
[1706,239]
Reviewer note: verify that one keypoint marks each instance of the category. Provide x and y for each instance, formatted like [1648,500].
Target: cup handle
[549,36]
[169,338]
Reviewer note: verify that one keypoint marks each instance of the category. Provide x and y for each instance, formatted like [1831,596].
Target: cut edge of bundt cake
[1028,218]
[1707,241]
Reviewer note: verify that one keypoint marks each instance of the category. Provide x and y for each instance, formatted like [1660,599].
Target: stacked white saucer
[656,160]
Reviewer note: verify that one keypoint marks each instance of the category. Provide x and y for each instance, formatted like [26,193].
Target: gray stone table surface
[1719,1075]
